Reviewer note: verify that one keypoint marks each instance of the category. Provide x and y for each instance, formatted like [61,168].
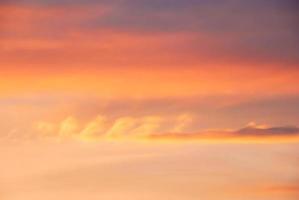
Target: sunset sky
[163,75]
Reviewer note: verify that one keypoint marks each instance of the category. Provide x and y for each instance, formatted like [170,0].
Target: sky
[168,74]
[221,64]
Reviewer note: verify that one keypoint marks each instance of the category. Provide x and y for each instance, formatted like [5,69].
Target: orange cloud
[250,133]
[102,127]
[159,128]
[94,128]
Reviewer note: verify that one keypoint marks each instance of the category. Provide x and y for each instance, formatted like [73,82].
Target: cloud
[149,125]
[103,127]
[122,126]
[251,131]
[99,117]
[96,127]
[156,128]
[68,127]
[182,122]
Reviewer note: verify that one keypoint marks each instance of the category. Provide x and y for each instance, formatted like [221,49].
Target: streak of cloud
[250,132]
[103,127]
[156,128]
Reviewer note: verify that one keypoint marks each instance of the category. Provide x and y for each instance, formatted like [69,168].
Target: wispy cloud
[249,132]
[155,128]
[103,127]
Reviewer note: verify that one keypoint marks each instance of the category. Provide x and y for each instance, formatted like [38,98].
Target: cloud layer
[248,133]
[155,127]
[121,127]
